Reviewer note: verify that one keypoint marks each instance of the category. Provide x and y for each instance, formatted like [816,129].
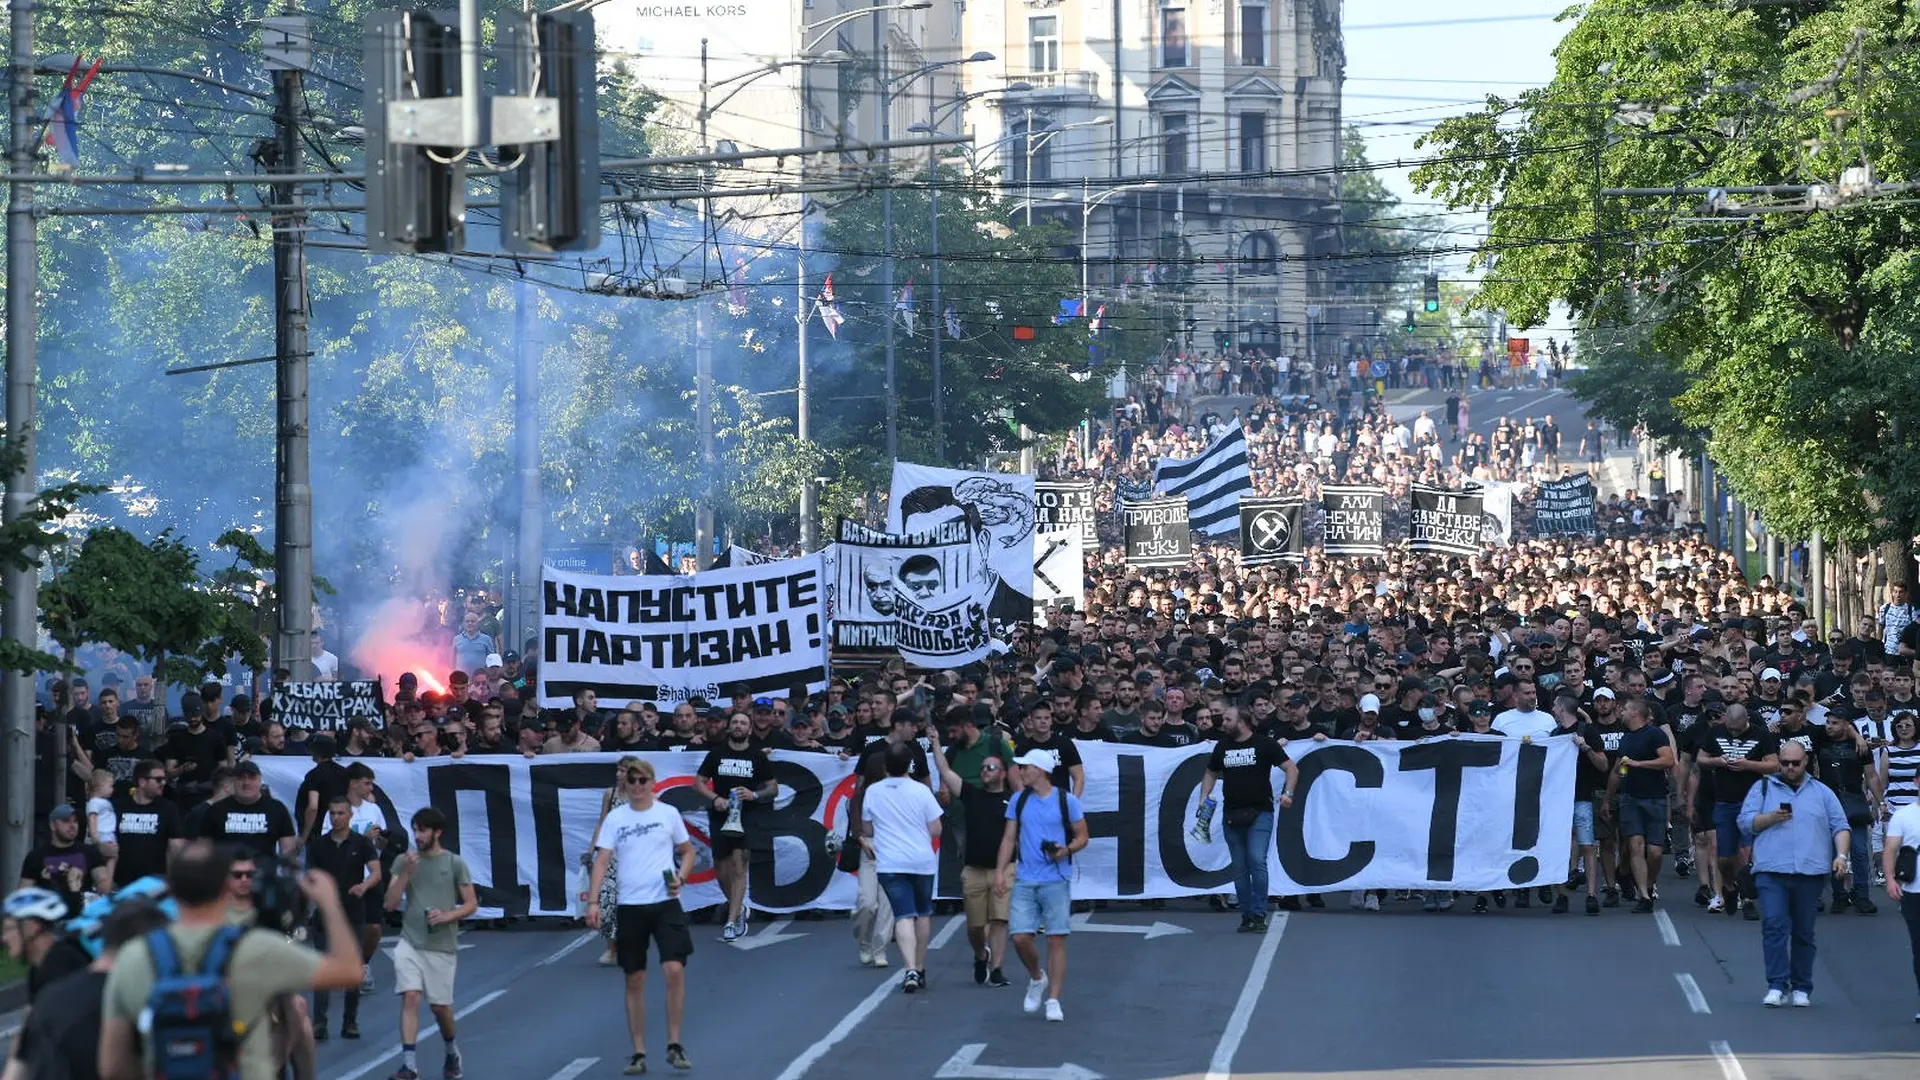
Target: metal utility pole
[936,325]
[531,542]
[885,101]
[21,622]
[703,357]
[289,49]
[803,428]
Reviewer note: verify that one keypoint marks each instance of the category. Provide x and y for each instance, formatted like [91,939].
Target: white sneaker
[730,932]
[879,960]
[1801,999]
[1717,905]
[1036,989]
[1355,899]
[866,958]
[1053,1010]
[1372,903]
[1774,999]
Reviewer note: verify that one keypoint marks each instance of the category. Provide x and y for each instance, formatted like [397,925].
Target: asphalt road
[1399,993]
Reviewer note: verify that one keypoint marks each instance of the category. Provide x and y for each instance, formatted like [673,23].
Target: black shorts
[663,924]
[723,844]
[1702,810]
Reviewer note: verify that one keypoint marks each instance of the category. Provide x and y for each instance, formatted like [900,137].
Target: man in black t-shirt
[1640,779]
[354,864]
[736,770]
[326,781]
[983,813]
[1038,734]
[64,864]
[1154,730]
[1243,763]
[150,825]
[1843,761]
[1738,752]
[123,753]
[193,752]
[249,819]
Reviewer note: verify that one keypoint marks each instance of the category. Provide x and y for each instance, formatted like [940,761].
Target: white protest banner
[1496,511]
[997,507]
[1463,812]
[1059,569]
[665,640]
[327,706]
[522,824]
[928,597]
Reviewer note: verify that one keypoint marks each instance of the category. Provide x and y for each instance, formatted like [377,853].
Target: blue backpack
[189,1017]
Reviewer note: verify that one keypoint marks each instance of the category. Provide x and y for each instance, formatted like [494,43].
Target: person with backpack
[60,1039]
[1045,828]
[191,1001]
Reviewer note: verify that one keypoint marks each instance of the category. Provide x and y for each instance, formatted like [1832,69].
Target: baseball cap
[1603,692]
[1770,673]
[63,812]
[1045,760]
[509,656]
[493,659]
[1370,703]
[246,768]
[1481,708]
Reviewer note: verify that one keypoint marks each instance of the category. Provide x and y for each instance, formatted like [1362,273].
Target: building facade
[1200,139]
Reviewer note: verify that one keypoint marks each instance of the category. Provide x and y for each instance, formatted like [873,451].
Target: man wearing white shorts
[437,889]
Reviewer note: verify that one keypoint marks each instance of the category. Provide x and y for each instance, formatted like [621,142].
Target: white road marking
[569,948]
[1221,1068]
[1664,922]
[812,1055]
[1696,1000]
[1729,1065]
[574,1068]
[459,1014]
[965,1065]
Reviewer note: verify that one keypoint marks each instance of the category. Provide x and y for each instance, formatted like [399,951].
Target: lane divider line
[568,949]
[459,1014]
[1668,933]
[812,1055]
[1696,1000]
[574,1068]
[1221,1067]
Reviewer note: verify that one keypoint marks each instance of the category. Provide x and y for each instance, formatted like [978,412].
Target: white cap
[493,660]
[1769,673]
[1603,692]
[1044,760]
[1370,704]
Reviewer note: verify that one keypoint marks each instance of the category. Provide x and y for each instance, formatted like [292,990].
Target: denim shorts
[1727,837]
[1583,823]
[1041,904]
[910,894]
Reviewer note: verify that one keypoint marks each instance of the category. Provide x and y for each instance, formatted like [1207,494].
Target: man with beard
[150,826]
[249,820]
[194,751]
[735,772]
[66,865]
[1038,734]
[1155,731]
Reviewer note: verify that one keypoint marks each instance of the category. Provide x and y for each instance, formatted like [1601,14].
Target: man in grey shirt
[437,889]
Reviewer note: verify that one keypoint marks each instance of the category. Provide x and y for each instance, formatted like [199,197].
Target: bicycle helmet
[33,903]
[87,927]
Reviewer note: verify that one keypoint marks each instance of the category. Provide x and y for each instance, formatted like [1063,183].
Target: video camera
[277,897]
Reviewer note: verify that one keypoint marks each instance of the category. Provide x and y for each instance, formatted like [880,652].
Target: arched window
[1259,254]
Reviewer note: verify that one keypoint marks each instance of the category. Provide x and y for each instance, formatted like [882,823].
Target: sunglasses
[635,776]
[240,875]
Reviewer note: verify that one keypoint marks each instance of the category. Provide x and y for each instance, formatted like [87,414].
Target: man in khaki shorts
[438,892]
[983,812]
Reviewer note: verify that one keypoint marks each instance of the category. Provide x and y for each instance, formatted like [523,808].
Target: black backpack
[189,1021]
[1020,807]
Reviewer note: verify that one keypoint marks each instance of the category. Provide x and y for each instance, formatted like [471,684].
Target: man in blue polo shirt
[1800,835]
[1045,828]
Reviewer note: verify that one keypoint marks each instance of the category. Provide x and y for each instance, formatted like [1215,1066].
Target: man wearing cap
[249,819]
[1045,828]
[193,751]
[1764,706]
[65,864]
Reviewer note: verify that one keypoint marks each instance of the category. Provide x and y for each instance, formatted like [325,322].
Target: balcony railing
[1055,83]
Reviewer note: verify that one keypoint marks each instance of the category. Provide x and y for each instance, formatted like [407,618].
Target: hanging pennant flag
[63,127]
[830,309]
[1099,313]
[953,323]
[904,306]
[1069,311]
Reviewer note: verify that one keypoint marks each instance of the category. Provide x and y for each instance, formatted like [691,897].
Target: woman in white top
[609,897]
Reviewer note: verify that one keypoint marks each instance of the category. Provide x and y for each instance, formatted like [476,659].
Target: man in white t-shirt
[326,666]
[1525,720]
[899,821]
[647,836]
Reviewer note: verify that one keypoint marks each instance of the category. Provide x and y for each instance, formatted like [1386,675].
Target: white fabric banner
[1460,812]
[1059,568]
[667,639]
[998,509]
[1496,511]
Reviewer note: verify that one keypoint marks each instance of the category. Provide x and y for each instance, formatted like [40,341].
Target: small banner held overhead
[1157,534]
[1564,507]
[1444,522]
[1271,530]
[1356,519]
[328,706]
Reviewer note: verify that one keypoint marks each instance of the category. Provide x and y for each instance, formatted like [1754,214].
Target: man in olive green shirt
[265,965]
[438,892]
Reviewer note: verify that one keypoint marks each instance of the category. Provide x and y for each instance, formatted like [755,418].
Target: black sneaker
[1644,906]
[1842,903]
[1258,926]
[1289,903]
[1480,905]
[1521,899]
[1560,904]
[1750,910]
[1246,924]
[451,1070]
[1702,896]
[1500,899]
[1864,906]
[1683,868]
[1546,894]
[912,984]
[980,970]
[996,978]
[1315,900]
[677,1056]
[1612,896]
[404,1073]
[1216,903]
[320,1031]
[636,1065]
[350,1030]
[1593,904]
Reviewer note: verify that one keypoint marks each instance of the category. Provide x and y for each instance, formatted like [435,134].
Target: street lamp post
[1034,145]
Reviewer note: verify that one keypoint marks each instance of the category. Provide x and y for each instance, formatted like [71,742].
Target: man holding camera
[1800,835]
[1045,828]
[264,966]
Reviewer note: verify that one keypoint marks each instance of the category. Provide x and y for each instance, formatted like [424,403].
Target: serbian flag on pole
[830,309]
[63,128]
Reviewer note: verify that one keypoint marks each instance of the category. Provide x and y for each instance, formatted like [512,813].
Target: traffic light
[551,200]
[1431,288]
[416,189]
[1407,326]
[1222,340]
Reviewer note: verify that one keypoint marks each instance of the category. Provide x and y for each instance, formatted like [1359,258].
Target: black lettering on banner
[1530,777]
[1289,832]
[795,820]
[1126,823]
[1175,861]
[495,783]
[549,840]
[1449,759]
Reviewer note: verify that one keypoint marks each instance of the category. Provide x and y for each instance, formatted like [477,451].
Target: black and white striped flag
[1212,482]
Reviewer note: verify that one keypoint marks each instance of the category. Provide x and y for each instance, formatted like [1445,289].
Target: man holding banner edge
[1244,762]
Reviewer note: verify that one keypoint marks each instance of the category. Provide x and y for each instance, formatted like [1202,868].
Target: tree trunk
[1898,556]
